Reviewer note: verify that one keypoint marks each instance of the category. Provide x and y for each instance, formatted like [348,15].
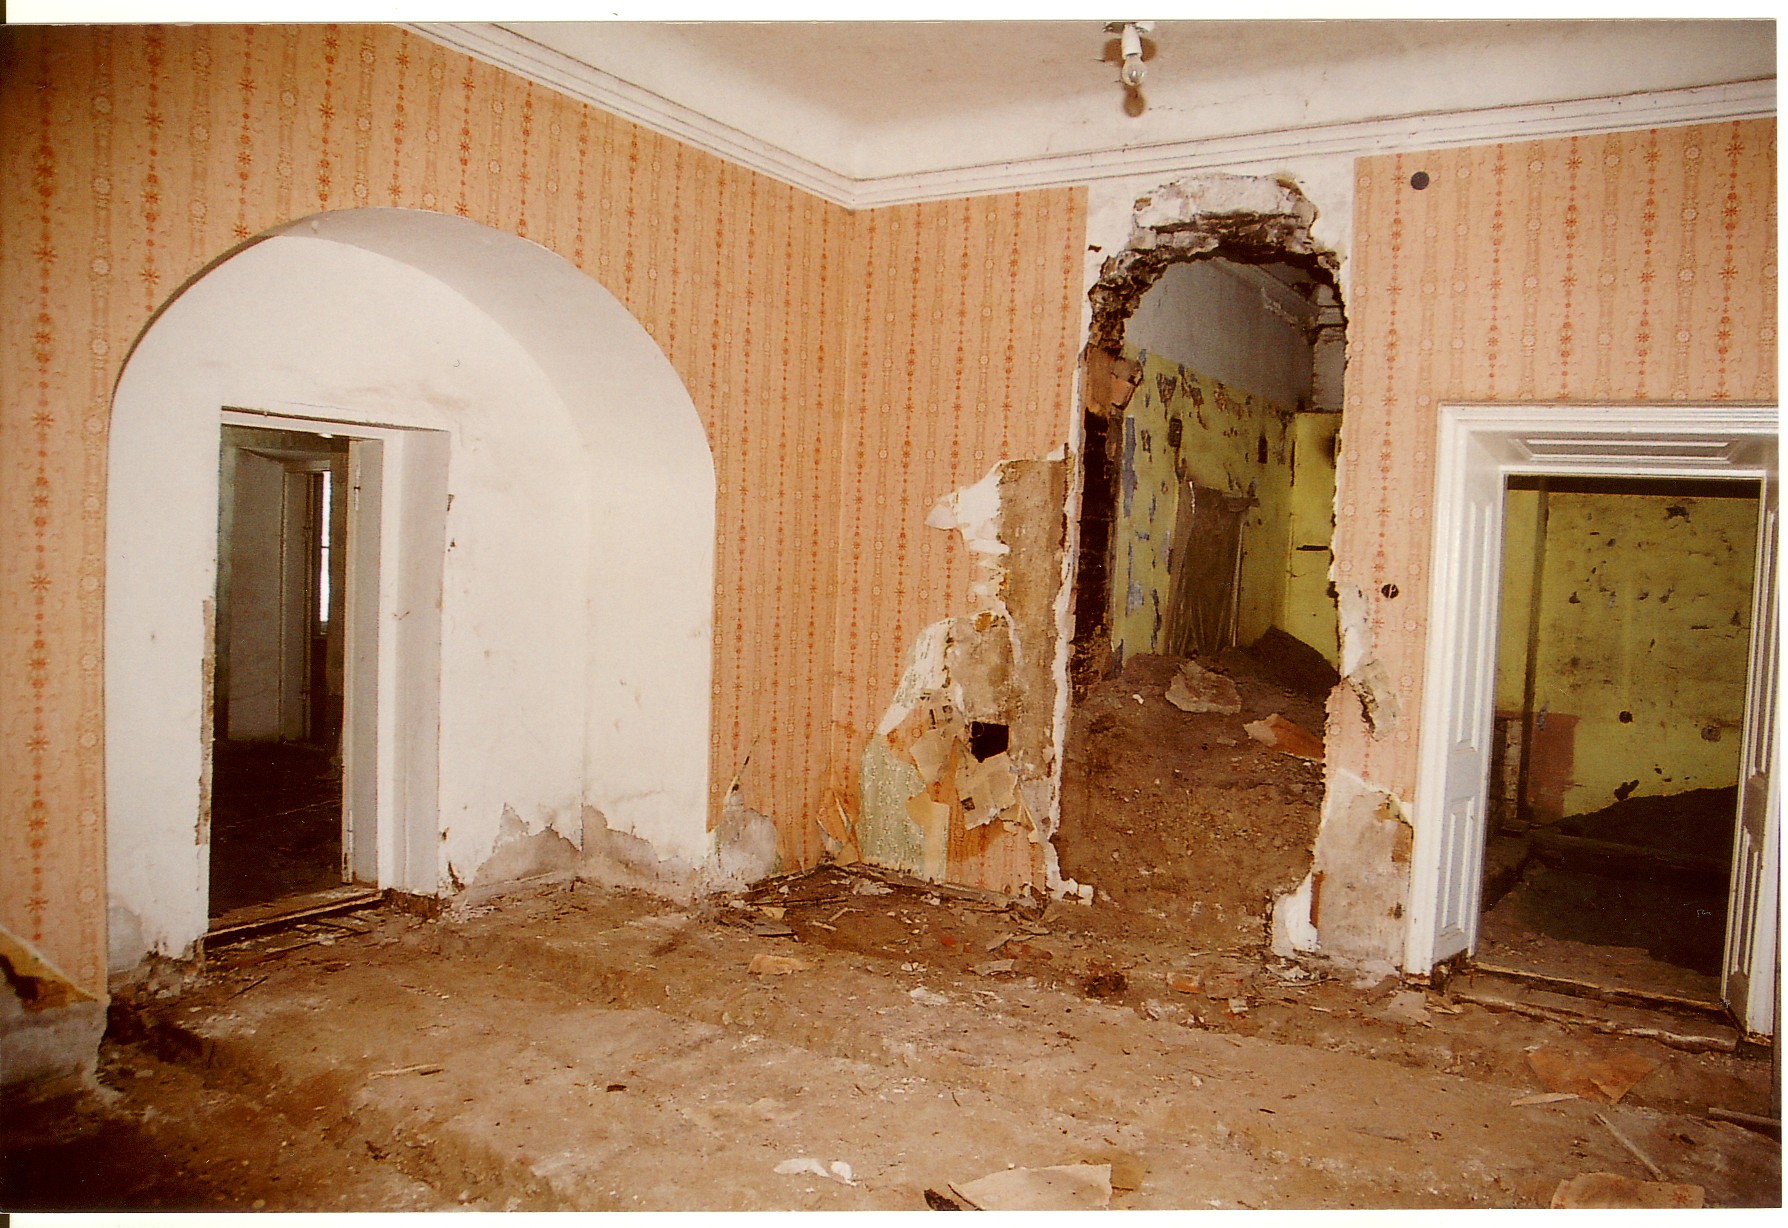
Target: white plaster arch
[576,586]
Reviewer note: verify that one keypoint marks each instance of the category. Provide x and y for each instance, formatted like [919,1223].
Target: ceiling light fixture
[1130,48]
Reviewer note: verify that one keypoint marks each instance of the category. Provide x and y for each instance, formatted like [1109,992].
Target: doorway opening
[277,799]
[1726,457]
[1205,640]
[1620,700]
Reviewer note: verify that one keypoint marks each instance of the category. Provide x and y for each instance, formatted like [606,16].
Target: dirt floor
[846,1039]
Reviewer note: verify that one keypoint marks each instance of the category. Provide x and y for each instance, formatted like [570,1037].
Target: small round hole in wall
[1390,590]
[1626,718]
[1419,180]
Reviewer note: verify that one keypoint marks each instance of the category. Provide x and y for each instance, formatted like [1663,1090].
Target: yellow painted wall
[1306,610]
[1224,435]
[1643,624]
[1520,554]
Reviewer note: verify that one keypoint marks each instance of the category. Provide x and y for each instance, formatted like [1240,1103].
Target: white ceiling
[862,111]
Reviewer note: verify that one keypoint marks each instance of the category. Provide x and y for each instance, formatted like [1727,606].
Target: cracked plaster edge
[1292,930]
[740,851]
[974,511]
[1362,672]
[1326,181]
[1065,615]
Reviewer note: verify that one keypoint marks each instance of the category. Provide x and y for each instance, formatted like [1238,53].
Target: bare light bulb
[1133,72]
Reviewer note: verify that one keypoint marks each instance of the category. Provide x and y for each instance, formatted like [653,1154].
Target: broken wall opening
[1211,408]
[1620,703]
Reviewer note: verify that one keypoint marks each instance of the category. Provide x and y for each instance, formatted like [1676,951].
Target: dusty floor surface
[580,1048]
[1632,895]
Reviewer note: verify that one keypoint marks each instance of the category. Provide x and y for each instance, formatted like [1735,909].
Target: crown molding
[1428,130]
[604,90]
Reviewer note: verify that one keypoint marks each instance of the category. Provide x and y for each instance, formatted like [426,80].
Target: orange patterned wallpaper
[1628,267]
[849,368]
[966,318]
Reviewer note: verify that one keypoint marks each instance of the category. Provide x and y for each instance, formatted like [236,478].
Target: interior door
[1472,564]
[1751,916]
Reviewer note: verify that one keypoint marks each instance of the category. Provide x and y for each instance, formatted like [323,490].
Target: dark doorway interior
[276,801]
[1621,684]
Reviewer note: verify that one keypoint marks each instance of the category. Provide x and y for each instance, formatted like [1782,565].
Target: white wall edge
[1426,130]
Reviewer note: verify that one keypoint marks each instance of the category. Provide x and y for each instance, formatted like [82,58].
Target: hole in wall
[988,738]
[1202,602]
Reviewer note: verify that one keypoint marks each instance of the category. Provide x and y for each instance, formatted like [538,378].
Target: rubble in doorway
[1180,818]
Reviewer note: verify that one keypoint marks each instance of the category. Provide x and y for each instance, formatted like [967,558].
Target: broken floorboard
[257,918]
[1693,1033]
[829,882]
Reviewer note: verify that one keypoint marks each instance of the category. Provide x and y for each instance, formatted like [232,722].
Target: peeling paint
[1353,900]
[621,859]
[521,853]
[743,847]
[887,834]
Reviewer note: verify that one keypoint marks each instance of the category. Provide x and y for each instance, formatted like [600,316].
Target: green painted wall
[1230,440]
[1643,623]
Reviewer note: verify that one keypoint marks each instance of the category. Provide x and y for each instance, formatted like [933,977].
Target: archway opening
[539,597]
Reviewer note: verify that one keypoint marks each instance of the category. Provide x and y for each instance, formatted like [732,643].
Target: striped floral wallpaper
[964,317]
[849,369]
[1626,267]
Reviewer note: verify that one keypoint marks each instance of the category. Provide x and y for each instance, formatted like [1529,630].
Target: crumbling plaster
[961,778]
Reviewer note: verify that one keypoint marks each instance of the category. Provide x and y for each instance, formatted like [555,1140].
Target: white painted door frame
[1479,448]
[397,511]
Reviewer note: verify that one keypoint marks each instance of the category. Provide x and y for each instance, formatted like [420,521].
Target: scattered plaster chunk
[1286,736]
[1196,689]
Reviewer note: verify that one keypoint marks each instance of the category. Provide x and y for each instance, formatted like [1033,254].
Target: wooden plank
[1626,860]
[242,922]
